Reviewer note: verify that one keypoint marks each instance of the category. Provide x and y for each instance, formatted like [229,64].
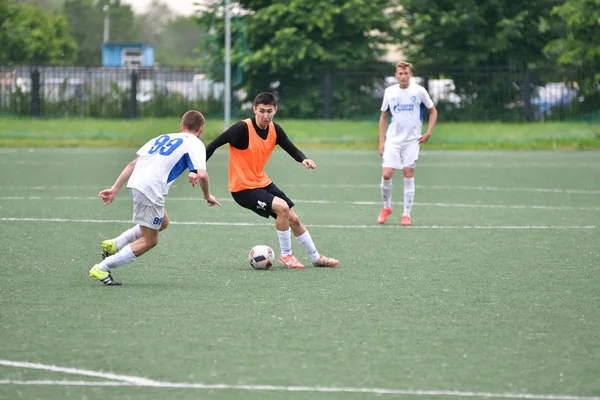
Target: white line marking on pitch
[312,201]
[500,227]
[375,164]
[76,371]
[126,380]
[63,383]
[349,186]
[366,152]
[448,187]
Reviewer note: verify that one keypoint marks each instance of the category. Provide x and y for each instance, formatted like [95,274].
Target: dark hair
[266,98]
[192,121]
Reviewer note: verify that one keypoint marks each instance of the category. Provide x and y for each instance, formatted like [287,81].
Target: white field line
[471,165]
[125,380]
[312,201]
[63,383]
[76,371]
[362,152]
[351,186]
[448,187]
[239,224]
[374,164]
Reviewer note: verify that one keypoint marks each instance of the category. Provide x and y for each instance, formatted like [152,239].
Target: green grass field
[26,132]
[493,293]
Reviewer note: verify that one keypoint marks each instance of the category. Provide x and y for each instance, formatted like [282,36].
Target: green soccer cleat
[103,276]
[109,247]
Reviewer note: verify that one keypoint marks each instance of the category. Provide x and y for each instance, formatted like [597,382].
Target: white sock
[309,245]
[386,192]
[285,242]
[129,236]
[409,194]
[123,256]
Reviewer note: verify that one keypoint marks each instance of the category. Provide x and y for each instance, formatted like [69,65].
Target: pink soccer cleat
[291,261]
[385,212]
[405,221]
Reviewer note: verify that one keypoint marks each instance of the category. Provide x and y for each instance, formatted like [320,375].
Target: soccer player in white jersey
[399,142]
[150,176]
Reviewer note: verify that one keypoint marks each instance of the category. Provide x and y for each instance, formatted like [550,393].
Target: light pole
[227,64]
[106,22]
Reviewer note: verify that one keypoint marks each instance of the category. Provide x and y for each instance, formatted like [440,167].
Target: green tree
[86,18]
[580,42]
[152,23]
[578,48]
[484,46]
[30,36]
[177,45]
[46,5]
[174,39]
[579,45]
[290,46]
[474,33]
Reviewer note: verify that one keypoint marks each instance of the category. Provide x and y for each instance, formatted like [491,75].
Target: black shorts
[260,200]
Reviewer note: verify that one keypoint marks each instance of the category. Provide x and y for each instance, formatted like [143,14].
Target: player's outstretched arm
[204,183]
[223,138]
[310,164]
[108,195]
[286,144]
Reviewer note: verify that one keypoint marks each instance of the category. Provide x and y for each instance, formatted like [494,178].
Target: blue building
[127,55]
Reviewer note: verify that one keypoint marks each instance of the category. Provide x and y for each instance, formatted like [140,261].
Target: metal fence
[486,94]
[106,93]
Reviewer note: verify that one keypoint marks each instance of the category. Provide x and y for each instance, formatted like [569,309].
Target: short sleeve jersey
[162,160]
[407,113]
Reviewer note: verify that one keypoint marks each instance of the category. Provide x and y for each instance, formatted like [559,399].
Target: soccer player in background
[399,142]
[251,143]
[150,176]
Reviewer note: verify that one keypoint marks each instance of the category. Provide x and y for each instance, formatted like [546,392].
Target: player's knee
[283,212]
[409,172]
[387,175]
[280,207]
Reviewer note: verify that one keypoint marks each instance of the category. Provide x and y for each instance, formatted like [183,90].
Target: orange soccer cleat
[405,221]
[385,212]
[290,261]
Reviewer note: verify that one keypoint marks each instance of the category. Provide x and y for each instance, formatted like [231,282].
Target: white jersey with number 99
[162,160]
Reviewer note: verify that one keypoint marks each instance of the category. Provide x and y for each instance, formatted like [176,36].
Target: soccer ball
[261,257]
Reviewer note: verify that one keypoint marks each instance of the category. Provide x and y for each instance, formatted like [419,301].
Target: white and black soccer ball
[261,257]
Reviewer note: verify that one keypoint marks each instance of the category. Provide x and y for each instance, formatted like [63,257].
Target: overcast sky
[182,7]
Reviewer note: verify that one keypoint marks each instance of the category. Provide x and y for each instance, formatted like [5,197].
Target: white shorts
[400,155]
[145,212]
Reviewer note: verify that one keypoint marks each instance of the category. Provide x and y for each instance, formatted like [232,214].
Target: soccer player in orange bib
[251,143]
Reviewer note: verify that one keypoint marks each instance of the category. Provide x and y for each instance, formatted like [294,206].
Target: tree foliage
[86,18]
[174,38]
[580,42]
[46,5]
[27,35]
[474,33]
[578,48]
[178,44]
[485,47]
[290,46]
[152,23]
